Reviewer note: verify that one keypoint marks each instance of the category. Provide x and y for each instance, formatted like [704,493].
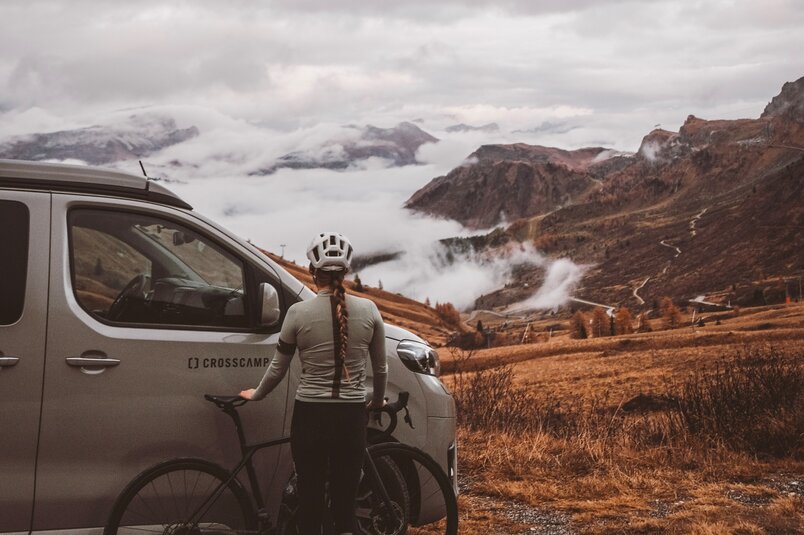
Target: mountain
[398,145]
[139,136]
[714,209]
[490,128]
[508,182]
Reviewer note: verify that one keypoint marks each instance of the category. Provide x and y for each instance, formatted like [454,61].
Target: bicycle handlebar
[228,403]
[391,409]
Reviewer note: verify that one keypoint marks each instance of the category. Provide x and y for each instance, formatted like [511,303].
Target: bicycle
[401,487]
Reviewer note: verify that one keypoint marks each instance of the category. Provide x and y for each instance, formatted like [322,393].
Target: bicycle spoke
[217,507]
[173,495]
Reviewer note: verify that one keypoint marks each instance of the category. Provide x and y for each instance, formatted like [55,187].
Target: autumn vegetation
[669,431]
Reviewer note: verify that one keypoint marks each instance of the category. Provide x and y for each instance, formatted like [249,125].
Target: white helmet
[330,251]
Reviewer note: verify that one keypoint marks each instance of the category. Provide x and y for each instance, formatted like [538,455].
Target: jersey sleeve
[283,354]
[379,359]
[290,328]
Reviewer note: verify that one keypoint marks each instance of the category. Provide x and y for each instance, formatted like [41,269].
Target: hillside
[715,208]
[508,182]
[606,445]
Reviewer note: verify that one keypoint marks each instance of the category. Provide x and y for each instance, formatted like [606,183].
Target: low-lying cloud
[282,211]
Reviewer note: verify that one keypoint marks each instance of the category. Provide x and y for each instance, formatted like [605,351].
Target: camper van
[120,307]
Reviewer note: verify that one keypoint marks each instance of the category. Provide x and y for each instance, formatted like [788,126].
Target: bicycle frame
[248,453]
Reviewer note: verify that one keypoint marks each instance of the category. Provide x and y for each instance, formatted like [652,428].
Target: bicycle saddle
[224,402]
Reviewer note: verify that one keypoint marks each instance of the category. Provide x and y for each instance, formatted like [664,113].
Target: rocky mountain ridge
[715,208]
[398,145]
[508,182]
[139,136]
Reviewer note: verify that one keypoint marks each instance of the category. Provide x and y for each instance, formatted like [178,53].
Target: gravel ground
[535,521]
[791,487]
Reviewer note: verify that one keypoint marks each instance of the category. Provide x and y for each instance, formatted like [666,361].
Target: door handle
[88,361]
[8,361]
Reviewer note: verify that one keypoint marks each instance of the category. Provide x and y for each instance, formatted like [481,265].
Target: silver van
[119,308]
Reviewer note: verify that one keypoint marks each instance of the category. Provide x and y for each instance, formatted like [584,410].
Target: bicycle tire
[141,508]
[367,511]
[370,507]
[428,485]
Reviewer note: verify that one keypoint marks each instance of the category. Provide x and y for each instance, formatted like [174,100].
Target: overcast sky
[263,78]
[609,68]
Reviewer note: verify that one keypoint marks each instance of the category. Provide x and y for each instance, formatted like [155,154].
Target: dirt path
[678,251]
[664,243]
[609,309]
[636,295]
[695,220]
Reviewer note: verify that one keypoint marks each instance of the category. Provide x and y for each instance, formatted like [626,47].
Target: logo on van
[193,363]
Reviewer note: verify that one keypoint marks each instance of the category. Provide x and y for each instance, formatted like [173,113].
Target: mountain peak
[788,103]
[397,144]
[137,137]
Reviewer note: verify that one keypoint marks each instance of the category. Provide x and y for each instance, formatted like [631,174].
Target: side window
[14,231]
[139,269]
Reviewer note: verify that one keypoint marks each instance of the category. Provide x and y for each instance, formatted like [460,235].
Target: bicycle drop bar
[391,409]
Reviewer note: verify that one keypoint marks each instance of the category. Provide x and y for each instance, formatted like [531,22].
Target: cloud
[211,171]
[606,69]
[563,276]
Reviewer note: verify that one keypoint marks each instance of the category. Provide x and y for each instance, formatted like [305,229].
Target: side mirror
[269,305]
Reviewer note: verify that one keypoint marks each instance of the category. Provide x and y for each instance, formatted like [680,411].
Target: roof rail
[84,179]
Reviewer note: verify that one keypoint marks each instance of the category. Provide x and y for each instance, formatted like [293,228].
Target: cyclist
[334,334]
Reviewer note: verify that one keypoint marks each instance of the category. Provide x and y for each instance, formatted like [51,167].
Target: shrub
[448,314]
[752,403]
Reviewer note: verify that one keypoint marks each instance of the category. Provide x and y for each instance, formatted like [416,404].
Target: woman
[334,334]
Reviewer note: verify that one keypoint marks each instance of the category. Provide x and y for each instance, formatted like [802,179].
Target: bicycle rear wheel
[179,497]
[432,504]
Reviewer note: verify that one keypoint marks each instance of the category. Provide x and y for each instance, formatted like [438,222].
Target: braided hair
[335,279]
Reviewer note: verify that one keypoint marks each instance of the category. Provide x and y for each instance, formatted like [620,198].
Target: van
[120,306]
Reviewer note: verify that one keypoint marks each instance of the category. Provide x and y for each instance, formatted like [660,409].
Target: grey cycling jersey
[310,326]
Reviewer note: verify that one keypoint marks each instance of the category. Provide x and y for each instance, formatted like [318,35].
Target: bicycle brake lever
[408,419]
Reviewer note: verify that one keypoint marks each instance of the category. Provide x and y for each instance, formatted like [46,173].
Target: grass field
[678,431]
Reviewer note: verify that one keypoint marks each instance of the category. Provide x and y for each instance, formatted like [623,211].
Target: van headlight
[419,357]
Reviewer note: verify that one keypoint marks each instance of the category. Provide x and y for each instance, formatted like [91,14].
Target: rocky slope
[727,194]
[508,182]
[398,145]
[138,137]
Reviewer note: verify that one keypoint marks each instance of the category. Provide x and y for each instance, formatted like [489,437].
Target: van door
[151,308]
[24,252]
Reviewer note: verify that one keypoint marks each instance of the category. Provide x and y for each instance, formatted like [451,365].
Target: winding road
[664,243]
[695,220]
[678,251]
[609,308]
[642,301]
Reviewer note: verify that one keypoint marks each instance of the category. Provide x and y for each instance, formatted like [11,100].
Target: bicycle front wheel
[183,497]
[432,504]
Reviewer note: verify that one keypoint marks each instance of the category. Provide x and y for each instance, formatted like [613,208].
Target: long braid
[343,322]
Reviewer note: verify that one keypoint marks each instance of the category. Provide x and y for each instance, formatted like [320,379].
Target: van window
[139,269]
[14,230]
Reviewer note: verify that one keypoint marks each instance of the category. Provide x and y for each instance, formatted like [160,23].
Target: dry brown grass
[565,442]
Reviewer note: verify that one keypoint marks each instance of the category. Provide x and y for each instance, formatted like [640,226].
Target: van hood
[398,333]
